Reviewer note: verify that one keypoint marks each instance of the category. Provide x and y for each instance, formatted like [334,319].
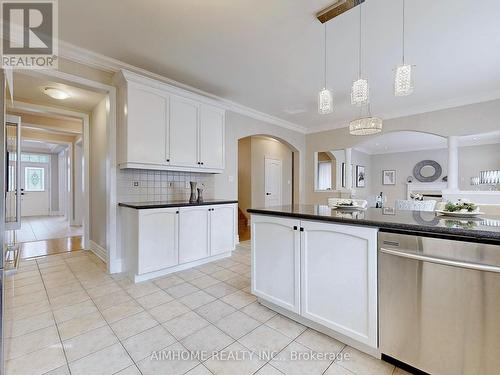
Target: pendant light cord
[403,32]
[325,55]
[359,51]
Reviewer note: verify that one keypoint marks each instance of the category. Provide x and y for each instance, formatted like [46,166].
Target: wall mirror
[427,171]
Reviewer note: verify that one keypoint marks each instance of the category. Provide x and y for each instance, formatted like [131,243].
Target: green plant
[454,207]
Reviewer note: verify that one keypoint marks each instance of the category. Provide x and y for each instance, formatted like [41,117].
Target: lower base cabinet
[163,239]
[324,272]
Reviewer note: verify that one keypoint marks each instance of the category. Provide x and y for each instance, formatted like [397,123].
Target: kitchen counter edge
[147,206]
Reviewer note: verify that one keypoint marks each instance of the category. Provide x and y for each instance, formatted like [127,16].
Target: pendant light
[403,80]
[366,125]
[325,96]
[360,91]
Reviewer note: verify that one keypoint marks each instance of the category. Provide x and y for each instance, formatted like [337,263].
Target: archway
[267,176]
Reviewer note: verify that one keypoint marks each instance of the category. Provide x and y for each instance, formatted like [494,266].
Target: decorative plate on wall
[427,171]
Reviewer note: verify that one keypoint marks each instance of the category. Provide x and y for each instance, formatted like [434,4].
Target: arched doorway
[267,176]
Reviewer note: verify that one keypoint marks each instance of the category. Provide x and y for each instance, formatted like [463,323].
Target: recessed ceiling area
[41,146]
[269,55]
[401,141]
[30,88]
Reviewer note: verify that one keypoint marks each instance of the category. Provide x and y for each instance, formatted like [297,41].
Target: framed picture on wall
[360,176]
[389,177]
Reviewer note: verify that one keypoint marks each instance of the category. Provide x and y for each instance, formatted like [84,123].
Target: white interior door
[273,173]
[35,188]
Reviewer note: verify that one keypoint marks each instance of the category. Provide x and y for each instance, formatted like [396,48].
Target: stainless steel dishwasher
[439,304]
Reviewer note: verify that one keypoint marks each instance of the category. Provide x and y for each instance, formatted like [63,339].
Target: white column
[348,168]
[453,163]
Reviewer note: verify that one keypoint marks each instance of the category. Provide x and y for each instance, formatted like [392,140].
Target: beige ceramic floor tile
[286,326]
[31,342]
[268,370]
[15,328]
[189,275]
[239,299]
[74,311]
[220,290]
[207,340]
[361,363]
[27,311]
[114,299]
[185,325]
[319,342]
[88,343]
[234,359]
[196,299]
[143,344]
[199,370]
[81,324]
[237,324]
[123,310]
[335,369]
[204,282]
[106,361]
[265,339]
[224,274]
[296,359]
[181,290]
[36,363]
[133,325]
[142,289]
[131,370]
[168,281]
[168,311]
[68,299]
[215,311]
[154,299]
[171,363]
[258,312]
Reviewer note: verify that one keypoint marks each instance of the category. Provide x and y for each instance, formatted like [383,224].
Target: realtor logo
[29,34]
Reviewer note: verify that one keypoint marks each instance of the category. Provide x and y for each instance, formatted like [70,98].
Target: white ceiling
[401,141]
[269,55]
[41,146]
[30,88]
[405,141]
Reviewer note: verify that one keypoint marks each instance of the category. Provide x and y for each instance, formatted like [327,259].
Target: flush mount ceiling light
[360,91]
[366,125]
[56,93]
[325,97]
[403,80]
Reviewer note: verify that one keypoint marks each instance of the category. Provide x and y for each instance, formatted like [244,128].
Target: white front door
[273,173]
[35,189]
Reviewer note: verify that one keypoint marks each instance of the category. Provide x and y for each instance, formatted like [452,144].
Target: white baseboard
[98,250]
[56,213]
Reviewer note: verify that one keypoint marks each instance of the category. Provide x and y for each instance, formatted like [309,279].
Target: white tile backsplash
[136,185]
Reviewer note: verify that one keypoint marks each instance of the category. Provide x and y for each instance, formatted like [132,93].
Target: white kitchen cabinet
[183,132]
[276,261]
[193,233]
[222,228]
[166,128]
[158,239]
[339,278]
[147,143]
[211,138]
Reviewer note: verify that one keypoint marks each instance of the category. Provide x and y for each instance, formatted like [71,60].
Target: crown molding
[110,65]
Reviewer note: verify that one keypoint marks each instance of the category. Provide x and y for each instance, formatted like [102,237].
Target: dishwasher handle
[445,262]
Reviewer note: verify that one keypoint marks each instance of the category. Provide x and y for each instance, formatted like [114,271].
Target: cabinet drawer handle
[168,160]
[301,229]
[201,163]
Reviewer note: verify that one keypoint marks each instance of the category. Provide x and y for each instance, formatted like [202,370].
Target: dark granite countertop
[173,204]
[485,228]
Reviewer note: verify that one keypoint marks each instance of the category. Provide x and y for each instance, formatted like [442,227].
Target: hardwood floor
[50,247]
[243,227]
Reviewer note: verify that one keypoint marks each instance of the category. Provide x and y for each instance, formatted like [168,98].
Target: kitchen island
[320,266]
[159,238]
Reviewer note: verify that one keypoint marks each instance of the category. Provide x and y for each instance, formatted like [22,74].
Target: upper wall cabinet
[162,127]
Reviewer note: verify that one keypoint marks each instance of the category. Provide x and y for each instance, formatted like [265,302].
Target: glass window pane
[34,179]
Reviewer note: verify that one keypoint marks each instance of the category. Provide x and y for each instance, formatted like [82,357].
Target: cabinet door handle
[301,229]
[168,160]
[201,163]
[177,212]
[295,227]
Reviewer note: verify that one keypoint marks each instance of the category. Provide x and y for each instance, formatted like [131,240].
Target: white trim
[108,64]
[169,168]
[98,250]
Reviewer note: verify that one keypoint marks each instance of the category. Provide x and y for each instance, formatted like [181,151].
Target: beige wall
[262,148]
[98,149]
[470,119]
[473,159]
[239,126]
[245,175]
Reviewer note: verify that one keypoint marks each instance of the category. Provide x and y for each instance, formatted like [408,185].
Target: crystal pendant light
[403,80]
[325,97]
[360,91]
[366,125]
